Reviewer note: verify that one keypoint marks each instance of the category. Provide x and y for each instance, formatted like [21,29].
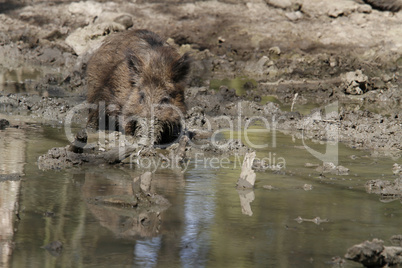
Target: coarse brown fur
[386,5]
[133,75]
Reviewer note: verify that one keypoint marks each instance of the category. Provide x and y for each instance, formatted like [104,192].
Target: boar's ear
[181,68]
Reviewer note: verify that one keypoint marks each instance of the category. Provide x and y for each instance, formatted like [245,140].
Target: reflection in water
[125,222]
[8,201]
[12,159]
[205,225]
[199,212]
[146,252]
[246,197]
[18,80]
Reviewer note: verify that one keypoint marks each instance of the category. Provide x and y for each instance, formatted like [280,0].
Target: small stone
[284,4]
[293,16]
[364,9]
[275,50]
[125,20]
[355,83]
[311,165]
[268,187]
[334,13]
[307,187]
[396,169]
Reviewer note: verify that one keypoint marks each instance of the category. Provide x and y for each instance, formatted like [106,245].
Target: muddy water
[19,80]
[209,223]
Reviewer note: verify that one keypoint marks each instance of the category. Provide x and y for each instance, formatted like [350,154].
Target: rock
[364,9]
[329,167]
[87,8]
[388,190]
[79,142]
[337,9]
[258,68]
[337,261]
[275,51]
[375,254]
[335,12]
[125,20]
[307,187]
[49,55]
[396,169]
[88,39]
[284,4]
[355,83]
[293,16]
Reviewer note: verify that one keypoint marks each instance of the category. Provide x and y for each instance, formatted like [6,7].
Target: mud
[324,52]
[387,190]
[375,254]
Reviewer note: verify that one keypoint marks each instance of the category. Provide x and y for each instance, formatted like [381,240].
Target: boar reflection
[123,206]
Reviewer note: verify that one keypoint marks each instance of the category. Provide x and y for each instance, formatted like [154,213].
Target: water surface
[206,224]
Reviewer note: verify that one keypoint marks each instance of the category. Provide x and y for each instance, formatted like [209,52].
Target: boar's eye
[141,97]
[165,100]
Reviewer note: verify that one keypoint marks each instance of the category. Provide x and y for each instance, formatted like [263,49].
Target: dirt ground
[299,52]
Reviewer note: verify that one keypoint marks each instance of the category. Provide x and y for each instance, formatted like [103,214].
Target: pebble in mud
[307,187]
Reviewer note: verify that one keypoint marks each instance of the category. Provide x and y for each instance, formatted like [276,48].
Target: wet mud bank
[305,53]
